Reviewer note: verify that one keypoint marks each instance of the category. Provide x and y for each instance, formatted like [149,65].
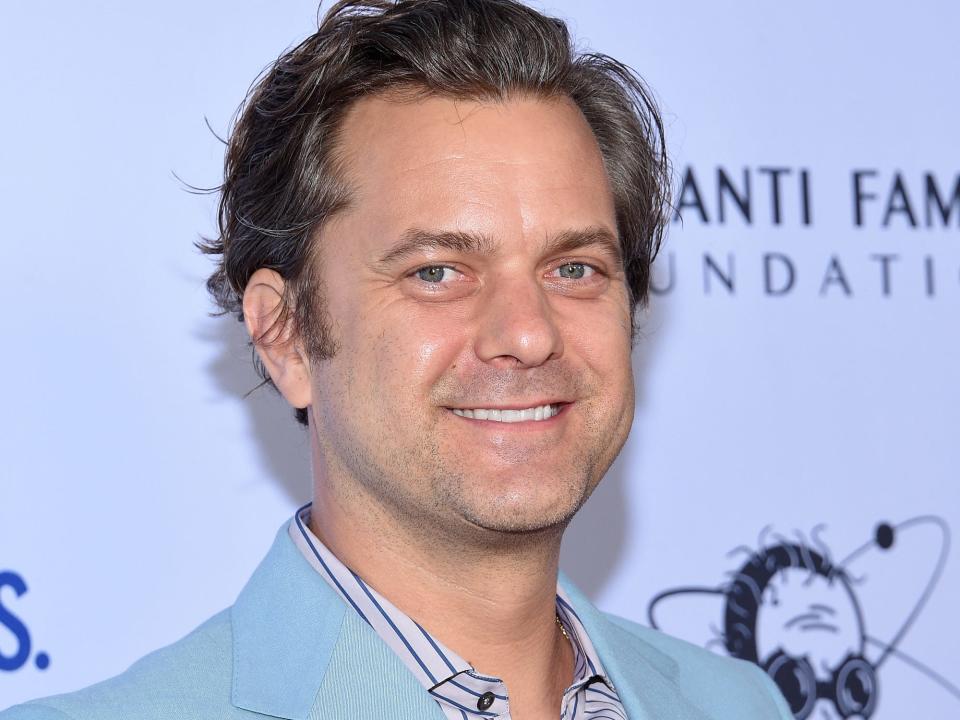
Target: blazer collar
[645,678]
[288,624]
[297,646]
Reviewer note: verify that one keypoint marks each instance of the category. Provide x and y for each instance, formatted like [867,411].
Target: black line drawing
[799,614]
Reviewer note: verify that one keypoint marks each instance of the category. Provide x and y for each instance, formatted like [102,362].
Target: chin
[514,526]
[522,513]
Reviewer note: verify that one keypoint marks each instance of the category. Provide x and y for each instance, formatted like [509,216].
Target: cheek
[405,350]
[601,336]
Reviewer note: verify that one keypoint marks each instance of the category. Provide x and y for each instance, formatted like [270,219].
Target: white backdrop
[789,376]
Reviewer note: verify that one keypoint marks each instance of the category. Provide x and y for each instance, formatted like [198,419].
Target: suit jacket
[290,648]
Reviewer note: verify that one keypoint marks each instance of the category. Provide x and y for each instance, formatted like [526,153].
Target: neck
[490,599]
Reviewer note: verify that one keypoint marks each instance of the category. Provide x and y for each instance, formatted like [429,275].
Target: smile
[541,412]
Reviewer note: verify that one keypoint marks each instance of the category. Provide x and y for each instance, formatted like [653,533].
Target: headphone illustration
[852,689]
[850,684]
[853,685]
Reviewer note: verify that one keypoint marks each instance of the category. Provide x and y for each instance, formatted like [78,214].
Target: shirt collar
[294,642]
[443,673]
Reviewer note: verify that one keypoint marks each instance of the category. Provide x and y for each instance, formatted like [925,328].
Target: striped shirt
[461,692]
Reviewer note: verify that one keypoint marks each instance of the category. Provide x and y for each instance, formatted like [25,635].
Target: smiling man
[437,222]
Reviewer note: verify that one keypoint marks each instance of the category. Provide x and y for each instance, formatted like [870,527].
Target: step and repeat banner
[789,491]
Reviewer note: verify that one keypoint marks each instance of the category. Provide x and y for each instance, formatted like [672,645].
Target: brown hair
[281,175]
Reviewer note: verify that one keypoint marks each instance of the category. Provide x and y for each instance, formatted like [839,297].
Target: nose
[517,325]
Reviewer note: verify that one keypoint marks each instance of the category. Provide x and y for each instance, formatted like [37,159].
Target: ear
[279,349]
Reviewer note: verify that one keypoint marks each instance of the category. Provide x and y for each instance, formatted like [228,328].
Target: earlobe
[270,325]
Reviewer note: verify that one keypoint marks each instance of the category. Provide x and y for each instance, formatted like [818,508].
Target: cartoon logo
[16,627]
[822,630]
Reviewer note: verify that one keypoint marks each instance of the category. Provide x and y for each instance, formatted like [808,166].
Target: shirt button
[485,701]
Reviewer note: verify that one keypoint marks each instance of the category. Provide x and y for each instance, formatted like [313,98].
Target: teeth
[543,412]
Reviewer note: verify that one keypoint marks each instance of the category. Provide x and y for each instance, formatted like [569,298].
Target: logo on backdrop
[885,236]
[823,630]
[13,625]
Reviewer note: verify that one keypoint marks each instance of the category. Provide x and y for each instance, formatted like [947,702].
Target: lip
[513,406]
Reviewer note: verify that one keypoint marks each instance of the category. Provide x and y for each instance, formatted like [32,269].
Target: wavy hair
[283,178]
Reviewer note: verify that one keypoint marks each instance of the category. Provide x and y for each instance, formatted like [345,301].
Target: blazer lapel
[366,679]
[644,677]
[299,653]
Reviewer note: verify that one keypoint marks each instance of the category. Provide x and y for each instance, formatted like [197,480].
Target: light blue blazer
[291,648]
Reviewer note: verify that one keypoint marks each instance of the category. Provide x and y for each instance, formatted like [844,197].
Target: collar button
[485,701]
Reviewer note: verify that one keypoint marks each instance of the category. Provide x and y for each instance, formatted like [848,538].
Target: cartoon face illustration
[791,609]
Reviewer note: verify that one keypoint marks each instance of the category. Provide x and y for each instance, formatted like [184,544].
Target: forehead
[512,169]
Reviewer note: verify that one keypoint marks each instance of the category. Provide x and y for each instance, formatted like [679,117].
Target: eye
[435,273]
[575,271]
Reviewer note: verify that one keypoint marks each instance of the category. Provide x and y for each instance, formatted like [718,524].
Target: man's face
[476,273]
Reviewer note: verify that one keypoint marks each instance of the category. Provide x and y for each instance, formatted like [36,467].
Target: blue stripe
[474,692]
[439,651]
[474,674]
[566,606]
[583,695]
[618,715]
[581,663]
[463,707]
[400,635]
[329,573]
[567,609]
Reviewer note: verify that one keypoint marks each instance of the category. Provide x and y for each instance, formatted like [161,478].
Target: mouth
[535,413]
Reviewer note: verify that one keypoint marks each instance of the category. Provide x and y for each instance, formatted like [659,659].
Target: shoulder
[711,680]
[188,679]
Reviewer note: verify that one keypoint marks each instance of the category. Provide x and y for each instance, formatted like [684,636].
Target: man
[437,223]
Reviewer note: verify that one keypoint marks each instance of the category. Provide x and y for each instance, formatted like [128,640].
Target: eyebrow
[417,240]
[595,236]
